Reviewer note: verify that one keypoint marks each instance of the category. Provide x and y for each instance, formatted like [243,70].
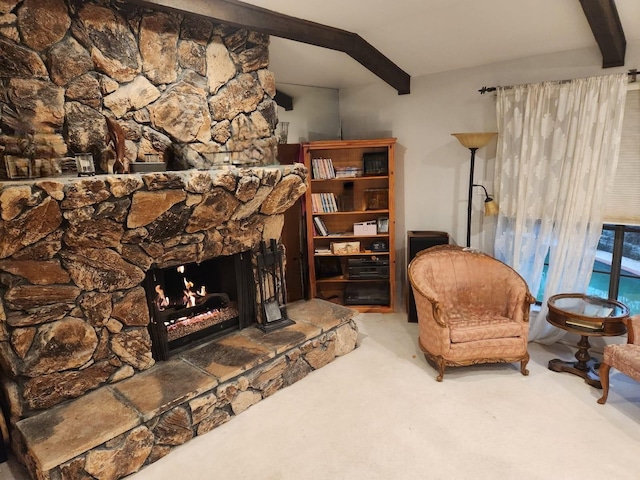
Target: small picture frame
[84,164]
[383,224]
[17,167]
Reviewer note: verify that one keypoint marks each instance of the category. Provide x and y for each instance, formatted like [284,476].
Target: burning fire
[189,296]
[162,301]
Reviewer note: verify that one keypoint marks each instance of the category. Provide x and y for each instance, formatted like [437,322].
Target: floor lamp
[473,141]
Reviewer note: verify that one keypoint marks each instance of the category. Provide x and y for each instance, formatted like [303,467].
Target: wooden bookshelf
[364,279]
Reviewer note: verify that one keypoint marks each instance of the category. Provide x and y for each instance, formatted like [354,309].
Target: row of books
[322,168]
[323,203]
[348,172]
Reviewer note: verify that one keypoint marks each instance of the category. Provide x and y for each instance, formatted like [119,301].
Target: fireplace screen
[196,301]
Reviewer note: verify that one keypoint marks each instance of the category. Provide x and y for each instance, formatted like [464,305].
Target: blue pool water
[628,292]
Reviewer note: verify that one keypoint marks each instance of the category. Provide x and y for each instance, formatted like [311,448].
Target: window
[616,272]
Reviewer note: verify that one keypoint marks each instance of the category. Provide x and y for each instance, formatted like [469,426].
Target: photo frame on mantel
[17,168]
[84,164]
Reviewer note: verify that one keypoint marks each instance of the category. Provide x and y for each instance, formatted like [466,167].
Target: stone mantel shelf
[184,175]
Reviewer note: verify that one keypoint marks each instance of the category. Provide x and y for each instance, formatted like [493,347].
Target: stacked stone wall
[74,255]
[179,86]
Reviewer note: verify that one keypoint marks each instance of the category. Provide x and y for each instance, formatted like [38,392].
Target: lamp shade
[490,207]
[474,140]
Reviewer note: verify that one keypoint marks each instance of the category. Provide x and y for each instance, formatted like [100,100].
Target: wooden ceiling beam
[283,100]
[604,21]
[244,15]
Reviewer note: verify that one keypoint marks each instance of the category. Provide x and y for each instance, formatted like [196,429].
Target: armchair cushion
[469,324]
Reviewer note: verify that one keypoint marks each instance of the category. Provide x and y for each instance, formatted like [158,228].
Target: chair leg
[523,366]
[441,367]
[604,380]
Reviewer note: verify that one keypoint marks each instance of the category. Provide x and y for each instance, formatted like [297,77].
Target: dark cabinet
[293,232]
[417,241]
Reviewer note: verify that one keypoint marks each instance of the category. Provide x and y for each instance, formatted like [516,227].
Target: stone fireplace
[80,257]
[75,258]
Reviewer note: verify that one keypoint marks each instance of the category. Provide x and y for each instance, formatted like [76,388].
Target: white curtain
[556,159]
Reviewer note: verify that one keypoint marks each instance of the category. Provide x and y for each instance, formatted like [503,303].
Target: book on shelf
[323,203]
[322,168]
[320,226]
[348,172]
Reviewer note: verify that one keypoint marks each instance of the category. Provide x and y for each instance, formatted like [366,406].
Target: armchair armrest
[436,306]
[633,330]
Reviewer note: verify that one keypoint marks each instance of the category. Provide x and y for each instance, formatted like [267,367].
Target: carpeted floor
[378,413]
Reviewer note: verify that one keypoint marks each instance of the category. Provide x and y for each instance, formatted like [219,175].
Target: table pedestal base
[585,366]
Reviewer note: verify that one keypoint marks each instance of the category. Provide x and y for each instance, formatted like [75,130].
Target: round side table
[586,316]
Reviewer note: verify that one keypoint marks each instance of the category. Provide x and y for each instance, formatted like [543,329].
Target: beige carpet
[378,413]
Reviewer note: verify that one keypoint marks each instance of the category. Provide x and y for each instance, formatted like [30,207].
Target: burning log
[184,326]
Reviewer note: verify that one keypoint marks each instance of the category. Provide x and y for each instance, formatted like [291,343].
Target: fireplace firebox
[197,301]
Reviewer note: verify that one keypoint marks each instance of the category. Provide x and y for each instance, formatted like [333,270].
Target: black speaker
[416,242]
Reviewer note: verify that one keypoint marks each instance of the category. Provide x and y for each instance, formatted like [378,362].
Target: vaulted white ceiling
[429,36]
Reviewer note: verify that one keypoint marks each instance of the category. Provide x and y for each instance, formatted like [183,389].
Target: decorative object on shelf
[84,164]
[365,228]
[283,132]
[383,224]
[118,137]
[46,167]
[375,163]
[376,198]
[345,248]
[472,141]
[145,167]
[490,205]
[152,163]
[379,246]
[17,168]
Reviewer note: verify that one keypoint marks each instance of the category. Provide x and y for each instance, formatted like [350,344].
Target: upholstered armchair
[471,308]
[623,357]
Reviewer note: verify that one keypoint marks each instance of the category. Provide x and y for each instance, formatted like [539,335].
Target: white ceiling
[430,36]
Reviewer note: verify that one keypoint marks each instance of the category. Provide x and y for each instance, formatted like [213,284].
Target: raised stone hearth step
[115,430]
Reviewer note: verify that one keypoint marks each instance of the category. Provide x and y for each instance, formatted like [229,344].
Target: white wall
[315,114]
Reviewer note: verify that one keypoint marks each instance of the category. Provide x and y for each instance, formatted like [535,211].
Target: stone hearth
[117,429]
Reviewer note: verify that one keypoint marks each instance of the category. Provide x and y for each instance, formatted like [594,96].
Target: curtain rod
[632,73]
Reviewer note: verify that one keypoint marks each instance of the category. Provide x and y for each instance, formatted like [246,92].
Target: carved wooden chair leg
[441,367]
[604,380]
[523,366]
